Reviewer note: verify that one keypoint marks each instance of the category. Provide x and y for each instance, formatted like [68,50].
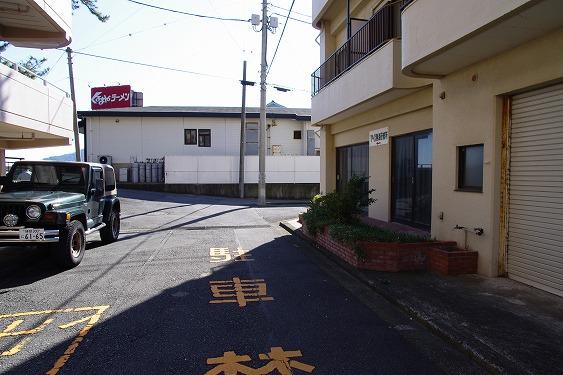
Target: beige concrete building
[33,112]
[454,109]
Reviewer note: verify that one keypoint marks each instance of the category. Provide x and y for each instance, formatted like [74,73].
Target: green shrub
[350,234]
[339,206]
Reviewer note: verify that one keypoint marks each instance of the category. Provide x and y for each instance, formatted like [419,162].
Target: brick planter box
[443,258]
[452,262]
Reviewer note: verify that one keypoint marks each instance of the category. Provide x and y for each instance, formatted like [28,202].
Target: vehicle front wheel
[72,245]
[110,232]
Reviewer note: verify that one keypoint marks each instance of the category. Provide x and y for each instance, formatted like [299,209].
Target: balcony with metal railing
[365,69]
[382,27]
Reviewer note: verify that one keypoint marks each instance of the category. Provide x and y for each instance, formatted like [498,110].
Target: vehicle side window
[22,173]
[96,174]
[109,178]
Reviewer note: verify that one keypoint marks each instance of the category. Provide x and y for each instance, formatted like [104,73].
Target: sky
[210,47]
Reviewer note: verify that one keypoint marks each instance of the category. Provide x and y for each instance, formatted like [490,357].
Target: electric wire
[280,39]
[128,35]
[188,13]
[274,85]
[225,26]
[291,18]
[118,24]
[55,64]
[295,12]
[154,66]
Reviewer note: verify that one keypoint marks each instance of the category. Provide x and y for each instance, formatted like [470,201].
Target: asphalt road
[200,285]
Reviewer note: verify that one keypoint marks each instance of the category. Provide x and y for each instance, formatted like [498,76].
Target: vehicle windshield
[68,178]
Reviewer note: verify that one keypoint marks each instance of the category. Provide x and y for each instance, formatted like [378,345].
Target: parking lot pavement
[200,285]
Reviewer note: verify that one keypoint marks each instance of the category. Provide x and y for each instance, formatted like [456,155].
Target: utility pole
[267,24]
[73,98]
[242,132]
[262,132]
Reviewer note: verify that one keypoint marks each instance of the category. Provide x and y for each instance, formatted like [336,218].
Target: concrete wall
[127,138]
[273,191]
[424,36]
[45,24]
[33,106]
[225,169]
[470,114]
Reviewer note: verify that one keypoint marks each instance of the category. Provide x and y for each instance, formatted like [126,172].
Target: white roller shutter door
[535,226]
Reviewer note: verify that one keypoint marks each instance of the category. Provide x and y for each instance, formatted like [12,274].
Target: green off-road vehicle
[55,203]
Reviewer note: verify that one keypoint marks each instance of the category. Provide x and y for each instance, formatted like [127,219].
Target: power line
[276,86]
[281,37]
[153,66]
[187,13]
[301,14]
[118,24]
[291,18]
[128,35]
[225,26]
[56,62]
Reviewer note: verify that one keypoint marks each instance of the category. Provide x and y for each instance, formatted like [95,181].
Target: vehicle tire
[72,245]
[110,232]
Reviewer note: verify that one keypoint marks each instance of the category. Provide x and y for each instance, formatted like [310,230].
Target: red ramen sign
[111,97]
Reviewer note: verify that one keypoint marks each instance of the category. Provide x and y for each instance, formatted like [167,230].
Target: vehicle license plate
[32,234]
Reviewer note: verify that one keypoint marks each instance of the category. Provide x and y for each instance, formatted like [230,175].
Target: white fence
[225,169]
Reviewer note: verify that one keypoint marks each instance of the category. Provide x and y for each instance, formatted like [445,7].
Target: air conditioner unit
[104,159]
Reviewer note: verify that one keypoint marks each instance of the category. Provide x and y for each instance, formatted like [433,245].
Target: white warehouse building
[201,147]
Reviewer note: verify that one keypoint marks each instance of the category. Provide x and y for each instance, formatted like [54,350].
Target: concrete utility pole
[262,140]
[242,132]
[73,98]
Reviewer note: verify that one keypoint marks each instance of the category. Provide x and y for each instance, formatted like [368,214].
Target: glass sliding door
[403,169]
[412,179]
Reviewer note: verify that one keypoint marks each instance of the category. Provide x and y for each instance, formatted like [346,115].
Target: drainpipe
[348,25]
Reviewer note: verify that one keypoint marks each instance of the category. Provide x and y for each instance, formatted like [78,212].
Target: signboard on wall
[110,97]
[379,137]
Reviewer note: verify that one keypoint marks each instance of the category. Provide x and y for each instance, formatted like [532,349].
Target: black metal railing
[405,3]
[383,26]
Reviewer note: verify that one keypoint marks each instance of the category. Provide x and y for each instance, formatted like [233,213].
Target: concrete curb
[419,316]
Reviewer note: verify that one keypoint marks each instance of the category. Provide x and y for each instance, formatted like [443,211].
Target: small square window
[297,134]
[204,138]
[190,136]
[470,168]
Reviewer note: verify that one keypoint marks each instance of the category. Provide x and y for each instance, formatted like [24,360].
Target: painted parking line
[13,321]
[239,291]
[279,362]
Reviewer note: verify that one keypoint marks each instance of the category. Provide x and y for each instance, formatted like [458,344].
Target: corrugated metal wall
[535,226]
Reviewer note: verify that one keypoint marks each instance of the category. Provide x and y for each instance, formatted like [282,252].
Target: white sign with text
[379,137]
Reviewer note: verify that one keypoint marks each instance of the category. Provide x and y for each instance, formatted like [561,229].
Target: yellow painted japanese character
[239,291]
[230,364]
[281,361]
[219,254]
[242,255]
